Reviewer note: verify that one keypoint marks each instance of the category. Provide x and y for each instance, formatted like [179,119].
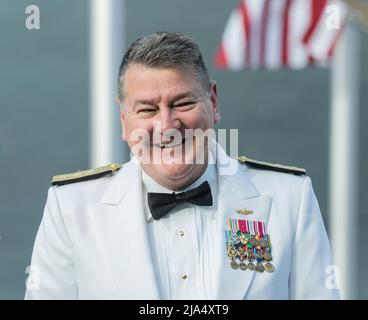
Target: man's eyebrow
[149,102]
[188,94]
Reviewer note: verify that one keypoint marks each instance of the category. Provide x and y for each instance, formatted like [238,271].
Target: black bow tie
[162,203]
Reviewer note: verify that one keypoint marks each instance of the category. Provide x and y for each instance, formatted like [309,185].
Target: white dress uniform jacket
[93,242]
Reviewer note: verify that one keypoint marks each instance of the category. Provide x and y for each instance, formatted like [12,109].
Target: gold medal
[234,265]
[258,255]
[260,267]
[231,252]
[251,266]
[242,266]
[234,239]
[243,239]
[253,241]
[263,243]
[269,267]
[267,256]
[241,253]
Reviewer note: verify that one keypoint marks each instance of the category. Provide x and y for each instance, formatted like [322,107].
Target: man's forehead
[145,82]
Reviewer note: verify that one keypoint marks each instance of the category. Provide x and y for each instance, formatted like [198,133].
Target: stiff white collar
[150,185]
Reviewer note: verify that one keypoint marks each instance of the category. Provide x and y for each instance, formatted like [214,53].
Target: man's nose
[168,121]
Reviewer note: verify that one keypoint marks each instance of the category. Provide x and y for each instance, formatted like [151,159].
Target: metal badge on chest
[248,245]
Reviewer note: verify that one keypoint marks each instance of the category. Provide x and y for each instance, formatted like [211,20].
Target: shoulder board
[271,166]
[85,175]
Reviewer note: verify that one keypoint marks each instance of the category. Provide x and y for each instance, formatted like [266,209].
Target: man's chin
[173,171]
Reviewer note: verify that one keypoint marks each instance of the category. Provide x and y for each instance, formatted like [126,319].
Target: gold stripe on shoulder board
[85,174]
[272,166]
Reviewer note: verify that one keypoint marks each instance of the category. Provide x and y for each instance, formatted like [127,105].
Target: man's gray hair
[163,50]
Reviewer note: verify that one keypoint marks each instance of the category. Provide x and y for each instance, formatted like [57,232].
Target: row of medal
[249,246]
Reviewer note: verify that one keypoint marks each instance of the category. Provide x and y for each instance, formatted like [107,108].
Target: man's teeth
[170,145]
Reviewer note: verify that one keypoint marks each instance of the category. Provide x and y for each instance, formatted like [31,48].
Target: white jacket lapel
[235,192]
[130,252]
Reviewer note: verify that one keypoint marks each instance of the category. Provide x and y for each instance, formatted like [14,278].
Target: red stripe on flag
[246,27]
[220,60]
[311,60]
[317,7]
[285,34]
[264,21]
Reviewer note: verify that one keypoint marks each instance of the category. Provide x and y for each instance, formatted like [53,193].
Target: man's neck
[182,182]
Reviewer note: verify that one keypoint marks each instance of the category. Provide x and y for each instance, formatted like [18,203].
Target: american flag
[272,34]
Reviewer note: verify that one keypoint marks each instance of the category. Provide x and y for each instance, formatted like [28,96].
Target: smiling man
[181,219]
[174,99]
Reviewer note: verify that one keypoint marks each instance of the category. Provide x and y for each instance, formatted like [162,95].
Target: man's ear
[213,93]
[122,118]
[123,126]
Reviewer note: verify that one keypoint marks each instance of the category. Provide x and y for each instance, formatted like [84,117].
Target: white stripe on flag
[274,35]
[234,41]
[298,23]
[255,11]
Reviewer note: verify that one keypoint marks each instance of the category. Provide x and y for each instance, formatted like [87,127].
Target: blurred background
[283,115]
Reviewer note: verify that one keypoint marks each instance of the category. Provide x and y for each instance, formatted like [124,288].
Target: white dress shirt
[182,243]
